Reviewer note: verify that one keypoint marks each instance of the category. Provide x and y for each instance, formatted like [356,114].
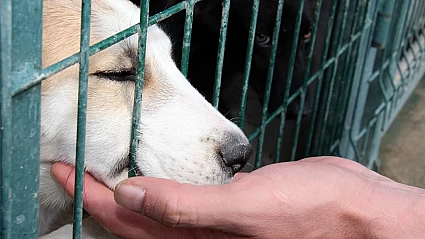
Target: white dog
[181,136]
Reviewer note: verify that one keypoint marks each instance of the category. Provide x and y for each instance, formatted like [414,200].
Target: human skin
[323,197]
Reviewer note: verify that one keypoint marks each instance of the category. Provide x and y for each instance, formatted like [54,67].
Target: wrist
[394,211]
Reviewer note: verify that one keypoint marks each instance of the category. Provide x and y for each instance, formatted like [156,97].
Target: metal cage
[369,56]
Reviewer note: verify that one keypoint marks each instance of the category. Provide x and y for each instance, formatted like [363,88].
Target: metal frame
[373,52]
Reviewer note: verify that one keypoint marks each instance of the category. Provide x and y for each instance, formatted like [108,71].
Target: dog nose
[236,156]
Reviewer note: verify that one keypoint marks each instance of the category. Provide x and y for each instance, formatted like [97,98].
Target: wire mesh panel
[392,69]
[361,60]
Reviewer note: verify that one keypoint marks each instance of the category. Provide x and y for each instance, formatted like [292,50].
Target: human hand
[322,197]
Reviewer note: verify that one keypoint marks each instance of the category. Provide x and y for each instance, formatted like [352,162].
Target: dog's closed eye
[118,75]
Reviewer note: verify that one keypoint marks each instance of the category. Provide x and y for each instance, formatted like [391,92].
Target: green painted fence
[371,57]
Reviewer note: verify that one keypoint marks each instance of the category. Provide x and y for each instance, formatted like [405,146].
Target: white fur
[180,132]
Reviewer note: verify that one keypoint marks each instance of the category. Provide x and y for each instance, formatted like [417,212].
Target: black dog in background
[204,46]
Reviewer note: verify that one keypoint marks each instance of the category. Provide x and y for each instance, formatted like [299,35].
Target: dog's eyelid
[117,75]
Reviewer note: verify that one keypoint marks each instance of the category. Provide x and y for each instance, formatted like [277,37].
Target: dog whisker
[227,113]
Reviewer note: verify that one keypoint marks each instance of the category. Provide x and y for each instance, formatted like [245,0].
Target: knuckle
[178,211]
[171,214]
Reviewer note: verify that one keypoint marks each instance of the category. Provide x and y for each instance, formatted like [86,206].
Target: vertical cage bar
[20,53]
[140,76]
[221,49]
[360,89]
[347,78]
[385,71]
[6,116]
[187,37]
[385,68]
[269,82]
[306,77]
[82,113]
[289,81]
[407,41]
[417,28]
[248,60]
[320,78]
[332,83]
[410,33]
[399,42]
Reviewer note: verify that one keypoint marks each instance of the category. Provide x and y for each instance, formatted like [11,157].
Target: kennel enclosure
[365,59]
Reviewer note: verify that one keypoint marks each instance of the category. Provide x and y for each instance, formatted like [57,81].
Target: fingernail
[129,196]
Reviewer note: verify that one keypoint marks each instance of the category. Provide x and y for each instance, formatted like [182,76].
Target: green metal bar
[364,131]
[6,117]
[270,72]
[221,49]
[140,74]
[82,116]
[248,60]
[360,89]
[385,69]
[414,31]
[416,26]
[24,190]
[187,37]
[366,139]
[20,54]
[320,79]
[389,53]
[289,79]
[349,72]
[400,47]
[411,35]
[306,76]
[332,83]
[168,12]
[346,78]
[403,100]
[313,78]
[408,36]
[420,27]
[297,93]
[379,39]
[279,110]
[71,60]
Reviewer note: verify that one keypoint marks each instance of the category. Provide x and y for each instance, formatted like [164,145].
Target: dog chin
[217,178]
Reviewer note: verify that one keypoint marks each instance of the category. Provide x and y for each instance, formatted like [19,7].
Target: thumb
[180,205]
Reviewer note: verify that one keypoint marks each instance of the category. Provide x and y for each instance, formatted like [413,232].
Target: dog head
[263,48]
[181,136]
[207,21]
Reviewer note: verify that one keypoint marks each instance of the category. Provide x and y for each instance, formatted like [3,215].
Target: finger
[99,202]
[182,205]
